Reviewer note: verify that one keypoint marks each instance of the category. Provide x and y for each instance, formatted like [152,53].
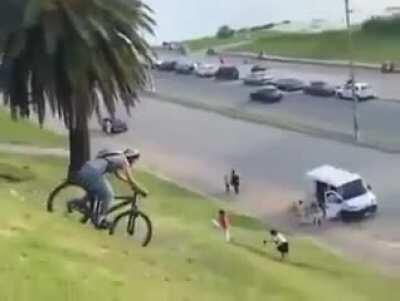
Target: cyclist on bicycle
[92,178]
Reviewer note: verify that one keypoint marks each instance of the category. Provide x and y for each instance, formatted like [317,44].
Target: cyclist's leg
[105,195]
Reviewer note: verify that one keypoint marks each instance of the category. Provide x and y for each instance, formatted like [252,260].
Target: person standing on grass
[282,244]
[223,222]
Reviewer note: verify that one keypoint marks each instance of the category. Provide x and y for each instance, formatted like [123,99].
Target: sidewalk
[32,150]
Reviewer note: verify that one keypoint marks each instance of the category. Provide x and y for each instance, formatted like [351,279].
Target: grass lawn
[25,132]
[52,257]
[329,45]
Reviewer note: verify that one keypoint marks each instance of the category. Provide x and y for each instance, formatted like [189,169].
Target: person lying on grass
[282,244]
[223,222]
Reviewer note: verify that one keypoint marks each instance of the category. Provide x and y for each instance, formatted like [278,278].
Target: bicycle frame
[126,200]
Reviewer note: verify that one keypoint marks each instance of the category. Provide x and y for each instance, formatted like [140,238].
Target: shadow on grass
[288,261]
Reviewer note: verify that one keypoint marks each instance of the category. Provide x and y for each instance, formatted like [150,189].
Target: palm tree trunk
[79,146]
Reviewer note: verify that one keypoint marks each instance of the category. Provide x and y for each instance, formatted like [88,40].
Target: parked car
[206,70]
[258,78]
[363,91]
[167,66]
[269,94]
[156,63]
[342,194]
[184,67]
[227,73]
[289,84]
[113,126]
[319,88]
[257,68]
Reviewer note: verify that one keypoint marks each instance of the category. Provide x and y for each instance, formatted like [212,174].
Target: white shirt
[279,239]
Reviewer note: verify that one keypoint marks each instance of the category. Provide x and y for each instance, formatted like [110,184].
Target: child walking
[222,222]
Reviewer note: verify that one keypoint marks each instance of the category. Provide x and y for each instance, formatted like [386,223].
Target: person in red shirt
[222,222]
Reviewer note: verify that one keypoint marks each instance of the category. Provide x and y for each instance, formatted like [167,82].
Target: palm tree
[67,56]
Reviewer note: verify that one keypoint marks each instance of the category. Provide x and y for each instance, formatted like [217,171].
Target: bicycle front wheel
[135,224]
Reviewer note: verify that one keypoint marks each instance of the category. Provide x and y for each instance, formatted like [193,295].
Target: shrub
[382,25]
[225,32]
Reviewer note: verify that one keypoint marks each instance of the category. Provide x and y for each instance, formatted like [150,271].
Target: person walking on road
[317,215]
[227,184]
[235,181]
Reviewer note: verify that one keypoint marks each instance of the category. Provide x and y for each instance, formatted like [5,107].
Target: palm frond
[68,56]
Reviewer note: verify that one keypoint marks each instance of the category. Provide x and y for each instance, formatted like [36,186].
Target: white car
[363,91]
[185,67]
[343,194]
[206,70]
[258,78]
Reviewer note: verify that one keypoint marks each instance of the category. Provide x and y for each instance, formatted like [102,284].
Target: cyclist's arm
[125,175]
[120,176]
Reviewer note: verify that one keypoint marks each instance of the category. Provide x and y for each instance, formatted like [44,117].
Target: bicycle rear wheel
[63,195]
[136,224]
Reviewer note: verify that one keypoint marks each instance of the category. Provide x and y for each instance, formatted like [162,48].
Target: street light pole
[352,76]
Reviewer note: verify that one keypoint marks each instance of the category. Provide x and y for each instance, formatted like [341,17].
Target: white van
[343,194]
[363,91]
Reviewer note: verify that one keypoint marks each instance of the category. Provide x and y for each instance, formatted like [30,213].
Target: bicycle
[92,211]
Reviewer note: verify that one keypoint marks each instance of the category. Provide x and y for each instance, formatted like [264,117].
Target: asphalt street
[379,120]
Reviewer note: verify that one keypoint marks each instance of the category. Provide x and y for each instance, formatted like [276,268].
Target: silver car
[258,78]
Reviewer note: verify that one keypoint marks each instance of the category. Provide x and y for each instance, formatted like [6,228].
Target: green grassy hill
[368,47]
[51,257]
[373,43]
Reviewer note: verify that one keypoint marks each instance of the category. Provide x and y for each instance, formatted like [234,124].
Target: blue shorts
[96,185]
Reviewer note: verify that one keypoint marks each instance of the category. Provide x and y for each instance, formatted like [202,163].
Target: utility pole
[351,67]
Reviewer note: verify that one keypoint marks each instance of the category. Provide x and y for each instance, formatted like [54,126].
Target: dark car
[113,126]
[319,88]
[167,66]
[227,73]
[258,68]
[289,84]
[269,94]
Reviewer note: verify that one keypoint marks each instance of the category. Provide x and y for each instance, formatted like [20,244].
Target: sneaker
[104,224]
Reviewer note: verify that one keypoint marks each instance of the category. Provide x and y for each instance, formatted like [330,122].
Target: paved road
[196,148]
[379,120]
